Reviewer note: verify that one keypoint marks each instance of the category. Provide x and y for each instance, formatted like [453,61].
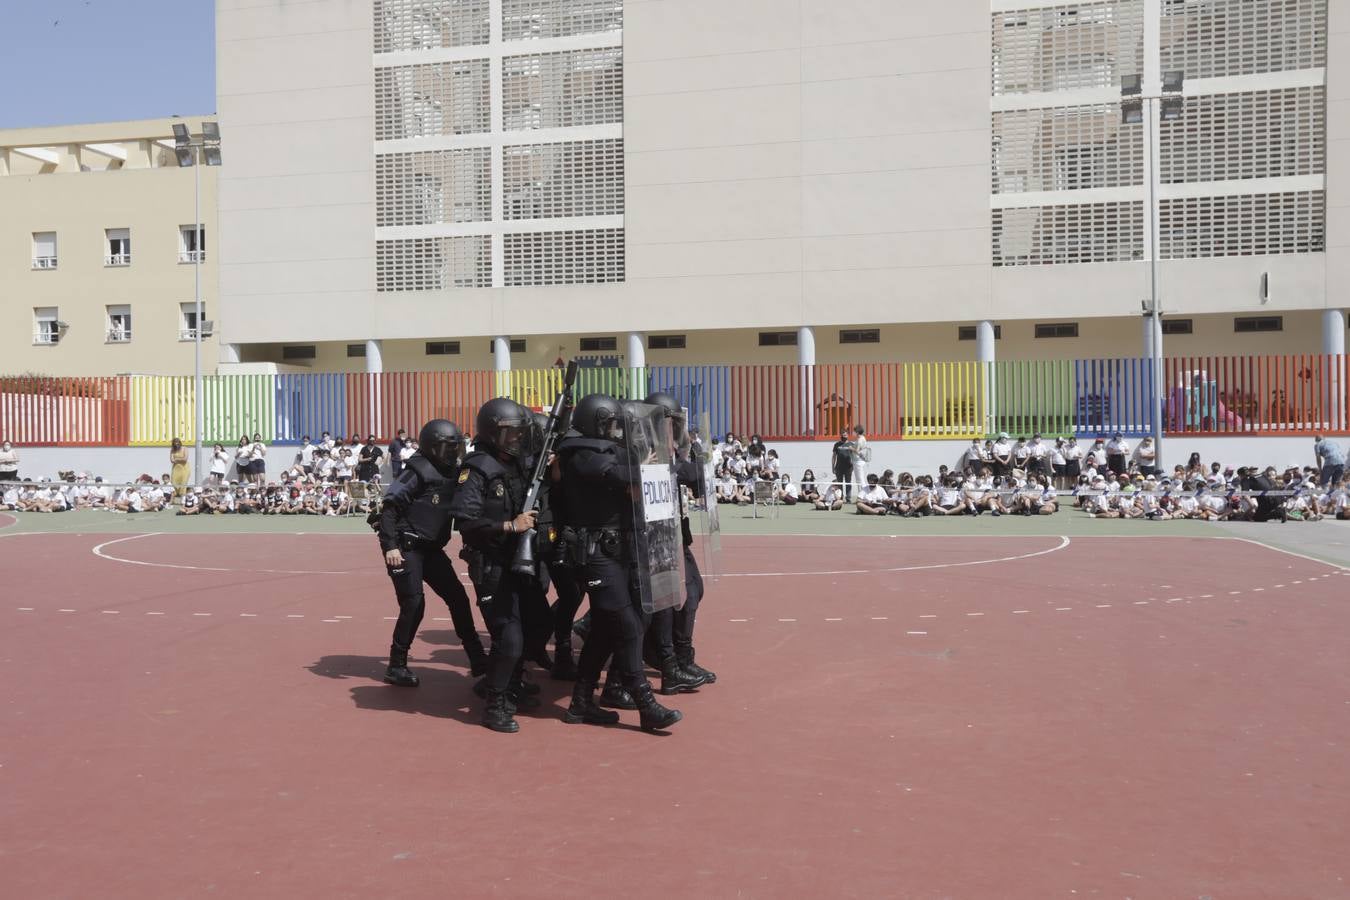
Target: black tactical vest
[428,515]
[587,503]
[504,488]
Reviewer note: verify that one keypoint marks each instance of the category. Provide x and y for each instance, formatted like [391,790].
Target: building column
[501,363]
[228,354]
[1333,344]
[637,364]
[374,357]
[806,361]
[984,351]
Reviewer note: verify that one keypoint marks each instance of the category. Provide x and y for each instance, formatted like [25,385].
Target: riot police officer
[673,629]
[598,485]
[414,527]
[487,505]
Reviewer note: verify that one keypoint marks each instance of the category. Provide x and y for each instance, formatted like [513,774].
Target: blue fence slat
[700,389]
[310,404]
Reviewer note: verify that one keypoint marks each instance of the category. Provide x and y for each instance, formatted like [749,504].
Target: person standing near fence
[396,453]
[179,471]
[1330,458]
[861,455]
[841,464]
[9,462]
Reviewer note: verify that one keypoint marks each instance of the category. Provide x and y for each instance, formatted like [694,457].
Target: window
[356,350]
[598,344]
[442,348]
[431,99]
[778,338]
[187,322]
[1057,330]
[517,345]
[188,251]
[665,342]
[572,178]
[299,351]
[523,19]
[433,264]
[118,242]
[1247,324]
[859,336]
[1178,326]
[567,89]
[44,249]
[968,332]
[46,326]
[563,257]
[119,323]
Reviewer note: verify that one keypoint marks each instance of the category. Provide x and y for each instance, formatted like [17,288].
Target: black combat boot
[654,716]
[675,680]
[564,667]
[398,672]
[615,697]
[497,714]
[584,708]
[686,658]
[516,693]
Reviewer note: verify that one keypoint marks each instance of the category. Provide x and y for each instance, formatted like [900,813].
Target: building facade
[99,251]
[670,181]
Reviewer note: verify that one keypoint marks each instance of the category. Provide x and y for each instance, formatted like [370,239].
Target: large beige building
[99,253]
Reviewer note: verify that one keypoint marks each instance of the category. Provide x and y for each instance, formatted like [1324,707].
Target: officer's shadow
[444,693]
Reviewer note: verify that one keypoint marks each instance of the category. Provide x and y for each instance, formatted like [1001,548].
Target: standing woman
[220,464]
[258,460]
[368,463]
[9,462]
[243,459]
[178,459]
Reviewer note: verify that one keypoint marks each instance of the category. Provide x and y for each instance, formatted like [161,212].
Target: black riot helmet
[678,429]
[599,416]
[538,427]
[504,426]
[441,442]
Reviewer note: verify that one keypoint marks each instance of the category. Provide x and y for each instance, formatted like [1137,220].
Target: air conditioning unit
[208,326]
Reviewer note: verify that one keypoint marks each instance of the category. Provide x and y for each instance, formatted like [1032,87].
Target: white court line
[295,616]
[928,616]
[98,551]
[1063,608]
[834,620]
[740,620]
[25,609]
[111,612]
[916,632]
[201,614]
[154,614]
[1103,605]
[878,618]
[1141,603]
[1063,542]
[248,615]
[1020,612]
[787,620]
[974,614]
[65,610]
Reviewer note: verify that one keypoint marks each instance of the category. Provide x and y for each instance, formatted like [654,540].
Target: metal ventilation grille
[433,187]
[563,257]
[1071,233]
[559,18]
[1082,45]
[1065,149]
[427,24]
[1211,38]
[1243,225]
[1259,134]
[576,178]
[433,264]
[562,90]
[430,100]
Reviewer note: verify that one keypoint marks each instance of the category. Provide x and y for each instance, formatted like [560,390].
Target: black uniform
[489,493]
[415,519]
[597,486]
[673,629]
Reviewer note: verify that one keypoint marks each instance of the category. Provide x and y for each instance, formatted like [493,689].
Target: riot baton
[524,562]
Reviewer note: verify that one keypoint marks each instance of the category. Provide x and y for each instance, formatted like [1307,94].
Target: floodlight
[212,154]
[1132,112]
[1173,82]
[181,137]
[1131,85]
[1172,108]
[211,131]
[184,155]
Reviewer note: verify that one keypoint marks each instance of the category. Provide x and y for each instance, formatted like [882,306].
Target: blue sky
[78,61]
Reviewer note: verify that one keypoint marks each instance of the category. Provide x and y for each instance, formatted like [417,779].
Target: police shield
[710,524]
[649,439]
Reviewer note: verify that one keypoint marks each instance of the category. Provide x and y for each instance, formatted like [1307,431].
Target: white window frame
[187,238]
[111,238]
[187,313]
[116,335]
[44,261]
[46,326]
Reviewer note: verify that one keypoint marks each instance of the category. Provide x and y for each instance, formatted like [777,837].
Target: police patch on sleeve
[463,476]
[501,489]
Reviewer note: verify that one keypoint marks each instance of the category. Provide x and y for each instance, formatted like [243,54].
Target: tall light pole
[185,151]
[1149,109]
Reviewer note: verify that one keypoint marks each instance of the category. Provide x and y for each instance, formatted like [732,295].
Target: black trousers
[433,567]
[515,610]
[672,630]
[846,476]
[565,607]
[617,625]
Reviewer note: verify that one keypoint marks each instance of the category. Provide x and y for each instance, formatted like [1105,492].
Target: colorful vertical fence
[1274,395]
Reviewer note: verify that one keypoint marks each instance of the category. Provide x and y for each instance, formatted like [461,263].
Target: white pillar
[637,362]
[984,351]
[374,357]
[1333,331]
[229,354]
[501,362]
[1333,344]
[1152,331]
[806,359]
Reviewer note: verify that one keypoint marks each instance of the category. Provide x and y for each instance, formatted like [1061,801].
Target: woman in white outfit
[861,455]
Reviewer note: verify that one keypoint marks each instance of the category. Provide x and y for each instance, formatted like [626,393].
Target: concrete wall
[124,464]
